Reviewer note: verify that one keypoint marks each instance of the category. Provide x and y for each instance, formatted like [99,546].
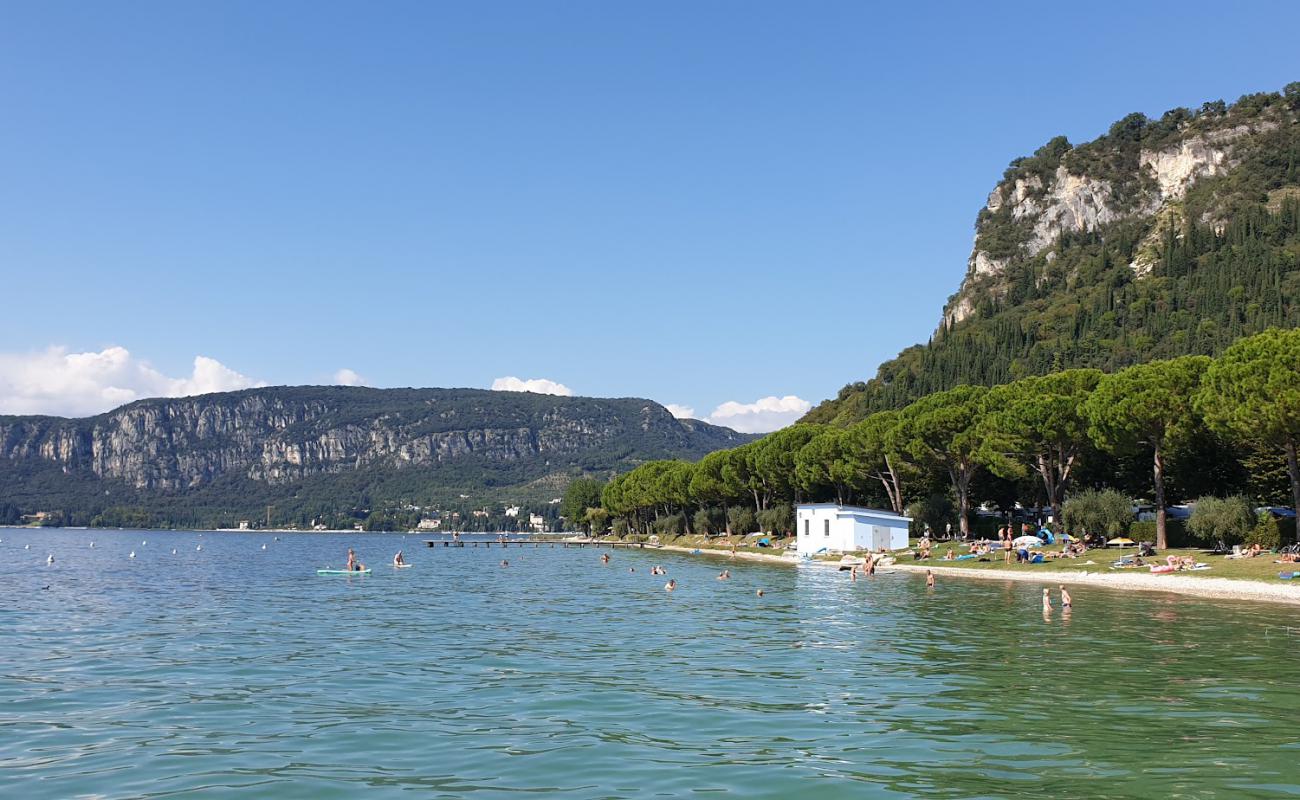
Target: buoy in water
[263,547]
[132,554]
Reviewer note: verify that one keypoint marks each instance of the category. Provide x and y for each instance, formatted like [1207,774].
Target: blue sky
[696,202]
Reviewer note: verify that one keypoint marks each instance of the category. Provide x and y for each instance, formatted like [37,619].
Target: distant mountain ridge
[232,452]
[1161,238]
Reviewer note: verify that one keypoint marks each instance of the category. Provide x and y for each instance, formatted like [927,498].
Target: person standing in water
[929,578]
[604,558]
[1047,601]
[670,585]
[1066,602]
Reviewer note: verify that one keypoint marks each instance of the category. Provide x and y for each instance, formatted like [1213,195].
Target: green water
[238,672]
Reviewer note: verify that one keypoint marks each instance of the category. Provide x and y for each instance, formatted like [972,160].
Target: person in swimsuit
[670,585]
[1065,598]
[604,558]
[353,564]
[1047,601]
[398,560]
[724,575]
[929,578]
[505,563]
[759,593]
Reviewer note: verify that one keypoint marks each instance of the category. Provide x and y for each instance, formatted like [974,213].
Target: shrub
[1106,512]
[1229,519]
[670,525]
[1175,531]
[1270,532]
[621,528]
[703,524]
[936,511]
[777,519]
[742,520]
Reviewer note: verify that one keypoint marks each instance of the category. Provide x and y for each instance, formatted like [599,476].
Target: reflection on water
[237,671]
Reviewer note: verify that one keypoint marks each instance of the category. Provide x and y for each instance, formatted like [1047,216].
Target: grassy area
[1260,568]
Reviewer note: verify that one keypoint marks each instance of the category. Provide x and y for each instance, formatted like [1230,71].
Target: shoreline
[1203,587]
[1219,588]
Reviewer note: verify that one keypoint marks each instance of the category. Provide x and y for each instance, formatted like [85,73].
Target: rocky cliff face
[285,434]
[1164,237]
[1063,191]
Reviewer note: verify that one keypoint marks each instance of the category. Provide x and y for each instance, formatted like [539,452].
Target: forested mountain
[1161,238]
[324,451]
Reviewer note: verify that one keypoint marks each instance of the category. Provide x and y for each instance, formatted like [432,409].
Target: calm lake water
[238,672]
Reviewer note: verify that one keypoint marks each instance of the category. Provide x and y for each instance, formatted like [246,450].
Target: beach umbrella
[1121,541]
[1027,541]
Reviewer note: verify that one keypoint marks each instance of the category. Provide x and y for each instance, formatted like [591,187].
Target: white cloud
[536,385]
[764,415]
[347,377]
[681,412]
[55,381]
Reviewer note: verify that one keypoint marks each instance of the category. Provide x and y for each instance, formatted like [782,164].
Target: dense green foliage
[1224,263]
[1222,519]
[1130,434]
[1104,511]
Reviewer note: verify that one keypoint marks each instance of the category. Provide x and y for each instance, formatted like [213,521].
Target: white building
[842,529]
[537,522]
[429,524]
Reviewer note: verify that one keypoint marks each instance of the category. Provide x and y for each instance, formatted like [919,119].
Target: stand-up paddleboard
[343,571]
[402,566]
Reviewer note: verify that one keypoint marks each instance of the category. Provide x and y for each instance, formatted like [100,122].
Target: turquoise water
[237,672]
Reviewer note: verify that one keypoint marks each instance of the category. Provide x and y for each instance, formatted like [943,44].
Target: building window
[806,523]
[827,530]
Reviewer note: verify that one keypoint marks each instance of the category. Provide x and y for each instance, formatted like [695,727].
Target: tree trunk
[1293,469]
[726,519]
[1158,472]
[961,483]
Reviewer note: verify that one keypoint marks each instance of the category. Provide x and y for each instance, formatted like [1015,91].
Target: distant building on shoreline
[832,528]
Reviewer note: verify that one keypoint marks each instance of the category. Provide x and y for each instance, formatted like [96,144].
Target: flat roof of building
[875,512]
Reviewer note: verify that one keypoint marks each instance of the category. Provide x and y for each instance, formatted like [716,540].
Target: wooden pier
[526,543]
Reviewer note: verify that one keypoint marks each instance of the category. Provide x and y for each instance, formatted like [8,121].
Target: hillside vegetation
[1162,238]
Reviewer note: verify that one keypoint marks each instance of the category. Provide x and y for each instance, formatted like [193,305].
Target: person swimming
[759,593]
[604,558]
[505,563]
[670,585]
[724,575]
[398,560]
